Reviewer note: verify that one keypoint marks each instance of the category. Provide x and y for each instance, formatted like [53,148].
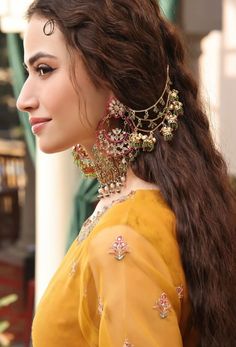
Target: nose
[27,101]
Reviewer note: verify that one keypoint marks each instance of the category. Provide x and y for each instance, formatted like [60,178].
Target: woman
[154,265]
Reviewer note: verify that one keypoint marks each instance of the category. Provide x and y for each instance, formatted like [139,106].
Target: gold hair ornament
[162,115]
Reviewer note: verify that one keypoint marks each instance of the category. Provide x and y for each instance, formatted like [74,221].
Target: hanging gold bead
[167,132]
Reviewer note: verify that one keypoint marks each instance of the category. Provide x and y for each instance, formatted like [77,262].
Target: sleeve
[138,303]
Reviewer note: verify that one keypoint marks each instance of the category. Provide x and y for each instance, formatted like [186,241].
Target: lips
[38,123]
[37,120]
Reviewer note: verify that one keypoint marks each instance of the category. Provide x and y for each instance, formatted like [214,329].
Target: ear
[111,95]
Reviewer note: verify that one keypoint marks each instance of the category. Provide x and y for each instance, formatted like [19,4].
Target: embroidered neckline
[93,220]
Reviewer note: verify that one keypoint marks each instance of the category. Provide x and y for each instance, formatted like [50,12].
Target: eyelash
[43,70]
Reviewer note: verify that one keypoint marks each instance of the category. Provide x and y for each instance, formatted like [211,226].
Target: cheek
[60,97]
[68,111]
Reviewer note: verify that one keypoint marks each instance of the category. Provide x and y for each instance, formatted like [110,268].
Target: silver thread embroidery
[89,224]
[93,220]
[119,248]
[127,344]
[180,291]
[73,267]
[163,306]
[100,306]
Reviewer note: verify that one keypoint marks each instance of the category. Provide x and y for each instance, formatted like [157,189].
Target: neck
[132,183]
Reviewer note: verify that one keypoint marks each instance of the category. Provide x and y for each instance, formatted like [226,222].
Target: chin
[50,148]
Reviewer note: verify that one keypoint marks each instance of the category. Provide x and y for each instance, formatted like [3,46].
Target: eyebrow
[37,56]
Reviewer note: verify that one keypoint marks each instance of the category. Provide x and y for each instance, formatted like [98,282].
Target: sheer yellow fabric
[122,286]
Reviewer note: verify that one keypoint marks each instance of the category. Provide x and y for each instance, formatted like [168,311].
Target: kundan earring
[112,151]
[117,145]
[82,160]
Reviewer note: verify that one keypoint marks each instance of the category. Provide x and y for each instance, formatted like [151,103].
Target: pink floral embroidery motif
[100,306]
[127,344]
[119,248]
[180,291]
[163,306]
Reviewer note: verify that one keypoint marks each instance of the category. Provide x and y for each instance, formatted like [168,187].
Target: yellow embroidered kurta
[121,286]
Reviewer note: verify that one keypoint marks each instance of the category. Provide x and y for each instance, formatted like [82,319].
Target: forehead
[36,41]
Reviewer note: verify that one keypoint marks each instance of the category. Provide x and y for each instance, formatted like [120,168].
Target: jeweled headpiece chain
[162,115]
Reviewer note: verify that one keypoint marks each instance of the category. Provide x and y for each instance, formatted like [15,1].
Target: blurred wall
[218,80]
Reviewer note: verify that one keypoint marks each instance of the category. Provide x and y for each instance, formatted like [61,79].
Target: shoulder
[124,243]
[145,218]
[144,210]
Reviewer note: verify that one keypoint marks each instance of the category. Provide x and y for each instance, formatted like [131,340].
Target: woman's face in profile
[60,115]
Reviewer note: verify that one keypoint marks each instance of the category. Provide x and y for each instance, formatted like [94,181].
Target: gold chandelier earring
[83,161]
[117,145]
[112,152]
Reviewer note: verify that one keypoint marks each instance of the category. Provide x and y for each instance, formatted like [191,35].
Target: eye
[43,69]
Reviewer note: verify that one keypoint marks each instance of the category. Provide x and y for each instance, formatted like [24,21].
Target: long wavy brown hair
[126,45]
